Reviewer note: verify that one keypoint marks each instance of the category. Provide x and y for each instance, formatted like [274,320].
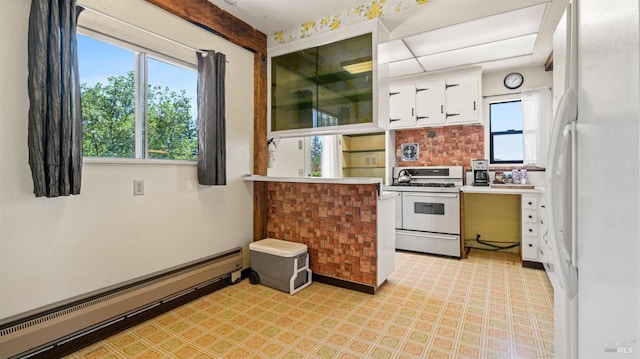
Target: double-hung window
[136,104]
[505,132]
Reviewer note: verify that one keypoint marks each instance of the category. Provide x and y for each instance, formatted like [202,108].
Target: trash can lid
[278,247]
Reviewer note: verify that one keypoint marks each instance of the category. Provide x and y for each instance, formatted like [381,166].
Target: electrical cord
[495,247]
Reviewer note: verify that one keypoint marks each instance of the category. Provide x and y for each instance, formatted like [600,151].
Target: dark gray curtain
[55,115]
[212,166]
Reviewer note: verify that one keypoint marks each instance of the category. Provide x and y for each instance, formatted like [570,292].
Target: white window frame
[487,128]
[141,98]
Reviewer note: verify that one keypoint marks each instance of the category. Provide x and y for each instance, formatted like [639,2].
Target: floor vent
[45,328]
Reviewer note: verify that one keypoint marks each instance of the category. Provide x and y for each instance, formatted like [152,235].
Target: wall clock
[513,80]
[409,151]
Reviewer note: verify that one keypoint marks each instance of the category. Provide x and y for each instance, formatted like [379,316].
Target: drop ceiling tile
[486,30]
[398,51]
[519,46]
[405,67]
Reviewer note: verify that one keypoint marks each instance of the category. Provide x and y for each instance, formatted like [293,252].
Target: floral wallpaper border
[347,17]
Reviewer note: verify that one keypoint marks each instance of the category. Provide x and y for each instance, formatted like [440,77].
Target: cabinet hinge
[393,93]
[450,85]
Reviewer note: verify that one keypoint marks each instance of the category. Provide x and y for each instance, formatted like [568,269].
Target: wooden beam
[210,17]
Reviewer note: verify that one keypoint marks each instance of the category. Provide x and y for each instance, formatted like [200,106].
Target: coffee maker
[480,169]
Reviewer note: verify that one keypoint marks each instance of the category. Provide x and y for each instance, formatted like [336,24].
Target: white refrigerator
[593,182]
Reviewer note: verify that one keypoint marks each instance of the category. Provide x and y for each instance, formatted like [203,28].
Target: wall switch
[138,187]
[300,172]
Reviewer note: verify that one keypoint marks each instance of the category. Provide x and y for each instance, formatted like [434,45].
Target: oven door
[431,212]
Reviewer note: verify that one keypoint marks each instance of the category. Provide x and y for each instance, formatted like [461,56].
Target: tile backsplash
[443,146]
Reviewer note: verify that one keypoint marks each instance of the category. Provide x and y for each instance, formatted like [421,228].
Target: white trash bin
[281,264]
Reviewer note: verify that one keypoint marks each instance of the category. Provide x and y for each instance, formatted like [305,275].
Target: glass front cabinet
[332,87]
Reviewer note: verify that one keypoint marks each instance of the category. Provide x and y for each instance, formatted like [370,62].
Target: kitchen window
[136,104]
[505,132]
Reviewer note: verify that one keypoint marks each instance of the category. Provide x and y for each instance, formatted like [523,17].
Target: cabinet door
[462,99]
[401,106]
[430,103]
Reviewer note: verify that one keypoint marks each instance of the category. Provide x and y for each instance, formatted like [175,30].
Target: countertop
[341,180]
[493,190]
[382,195]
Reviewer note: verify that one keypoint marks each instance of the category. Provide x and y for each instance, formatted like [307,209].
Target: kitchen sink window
[505,132]
[136,104]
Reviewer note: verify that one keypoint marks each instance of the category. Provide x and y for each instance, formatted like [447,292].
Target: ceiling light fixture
[357,66]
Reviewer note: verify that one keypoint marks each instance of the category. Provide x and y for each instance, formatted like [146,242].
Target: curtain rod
[516,92]
[141,29]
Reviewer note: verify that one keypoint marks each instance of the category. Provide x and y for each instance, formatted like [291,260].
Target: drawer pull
[530,245]
[530,203]
[530,216]
[530,230]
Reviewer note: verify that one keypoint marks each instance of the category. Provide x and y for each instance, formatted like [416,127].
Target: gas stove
[428,179]
[428,209]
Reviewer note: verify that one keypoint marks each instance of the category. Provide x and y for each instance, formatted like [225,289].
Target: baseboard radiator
[40,330]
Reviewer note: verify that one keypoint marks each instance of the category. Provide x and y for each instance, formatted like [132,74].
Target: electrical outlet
[300,172]
[138,187]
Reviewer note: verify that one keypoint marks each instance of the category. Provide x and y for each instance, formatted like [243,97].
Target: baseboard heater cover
[53,326]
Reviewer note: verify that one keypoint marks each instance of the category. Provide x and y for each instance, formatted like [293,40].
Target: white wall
[289,158]
[54,249]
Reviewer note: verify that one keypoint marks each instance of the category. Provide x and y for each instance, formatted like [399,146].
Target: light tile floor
[486,306]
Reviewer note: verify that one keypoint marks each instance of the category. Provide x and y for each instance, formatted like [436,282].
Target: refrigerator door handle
[574,195]
[567,113]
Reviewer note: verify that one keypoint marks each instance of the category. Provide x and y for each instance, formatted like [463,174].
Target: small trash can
[281,264]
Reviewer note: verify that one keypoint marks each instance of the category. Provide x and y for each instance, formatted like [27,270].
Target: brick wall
[451,145]
[337,222]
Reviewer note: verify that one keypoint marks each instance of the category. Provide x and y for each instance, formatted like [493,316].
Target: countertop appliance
[428,209]
[594,232]
[480,169]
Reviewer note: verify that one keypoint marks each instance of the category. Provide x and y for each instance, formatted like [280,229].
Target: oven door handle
[441,195]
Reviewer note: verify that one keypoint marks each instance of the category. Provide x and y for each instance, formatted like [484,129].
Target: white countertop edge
[345,180]
[490,190]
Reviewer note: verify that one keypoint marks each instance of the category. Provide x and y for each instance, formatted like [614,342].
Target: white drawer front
[529,203]
[529,229]
[530,248]
[529,215]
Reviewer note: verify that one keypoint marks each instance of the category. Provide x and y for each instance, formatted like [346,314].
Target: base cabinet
[531,216]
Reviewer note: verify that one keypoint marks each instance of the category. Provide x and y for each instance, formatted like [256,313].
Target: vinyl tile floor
[485,306]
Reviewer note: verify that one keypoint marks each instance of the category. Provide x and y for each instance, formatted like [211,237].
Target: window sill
[136,161]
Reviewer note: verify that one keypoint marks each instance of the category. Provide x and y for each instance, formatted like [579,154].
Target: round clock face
[513,80]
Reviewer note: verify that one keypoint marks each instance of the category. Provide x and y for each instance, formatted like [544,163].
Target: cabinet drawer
[529,203]
[529,229]
[529,248]
[529,215]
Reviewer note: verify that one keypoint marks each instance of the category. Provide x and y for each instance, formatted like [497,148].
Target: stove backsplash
[446,146]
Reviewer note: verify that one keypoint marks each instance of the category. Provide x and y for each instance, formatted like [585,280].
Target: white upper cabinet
[402,106]
[440,100]
[430,101]
[462,99]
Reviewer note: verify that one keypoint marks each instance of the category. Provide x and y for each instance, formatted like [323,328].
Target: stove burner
[424,184]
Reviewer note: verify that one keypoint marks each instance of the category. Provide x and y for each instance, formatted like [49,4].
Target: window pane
[506,116]
[508,148]
[172,113]
[316,156]
[108,98]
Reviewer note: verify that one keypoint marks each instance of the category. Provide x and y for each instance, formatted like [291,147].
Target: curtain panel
[55,115]
[537,113]
[211,118]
